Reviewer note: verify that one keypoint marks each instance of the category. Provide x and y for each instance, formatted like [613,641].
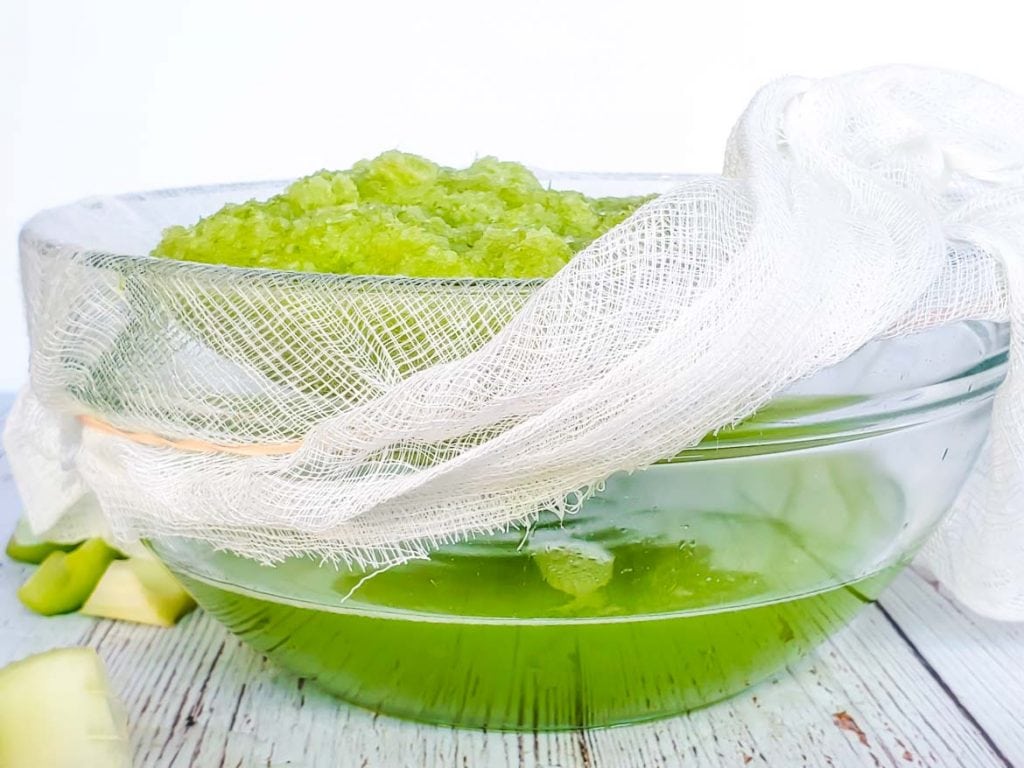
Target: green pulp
[584,624]
[401,214]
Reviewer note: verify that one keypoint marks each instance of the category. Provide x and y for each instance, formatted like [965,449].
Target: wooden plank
[198,697]
[980,661]
[863,671]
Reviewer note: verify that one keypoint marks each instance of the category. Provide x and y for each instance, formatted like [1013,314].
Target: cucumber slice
[63,581]
[25,547]
[578,568]
[141,590]
[56,710]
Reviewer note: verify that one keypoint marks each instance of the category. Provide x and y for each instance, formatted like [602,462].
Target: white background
[106,96]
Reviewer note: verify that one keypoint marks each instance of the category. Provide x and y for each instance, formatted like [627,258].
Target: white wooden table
[914,680]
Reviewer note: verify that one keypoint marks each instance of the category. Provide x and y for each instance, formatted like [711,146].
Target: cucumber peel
[25,547]
[57,710]
[141,590]
[63,581]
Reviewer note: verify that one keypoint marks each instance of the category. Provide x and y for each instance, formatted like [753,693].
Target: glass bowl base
[537,675]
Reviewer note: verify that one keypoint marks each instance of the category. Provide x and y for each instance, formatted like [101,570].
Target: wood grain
[916,681]
[979,661]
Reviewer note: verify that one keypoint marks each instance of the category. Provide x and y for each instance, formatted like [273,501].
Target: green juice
[604,618]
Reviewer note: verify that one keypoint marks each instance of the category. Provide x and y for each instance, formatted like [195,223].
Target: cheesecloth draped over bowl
[275,414]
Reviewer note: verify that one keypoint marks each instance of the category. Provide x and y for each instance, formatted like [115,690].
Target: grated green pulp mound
[400,214]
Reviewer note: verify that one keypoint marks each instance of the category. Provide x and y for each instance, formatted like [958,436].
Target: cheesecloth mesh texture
[275,414]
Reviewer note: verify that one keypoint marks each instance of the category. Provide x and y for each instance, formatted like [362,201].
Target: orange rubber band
[195,446]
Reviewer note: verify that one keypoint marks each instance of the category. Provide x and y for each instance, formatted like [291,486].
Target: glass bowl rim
[783,426]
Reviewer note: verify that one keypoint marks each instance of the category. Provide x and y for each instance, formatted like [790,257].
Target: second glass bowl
[672,588]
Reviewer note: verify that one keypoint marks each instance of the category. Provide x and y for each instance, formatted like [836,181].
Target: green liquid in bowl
[608,618]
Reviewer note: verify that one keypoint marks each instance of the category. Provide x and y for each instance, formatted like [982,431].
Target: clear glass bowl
[671,588]
[197,325]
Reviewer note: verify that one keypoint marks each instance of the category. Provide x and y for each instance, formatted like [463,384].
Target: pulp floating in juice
[659,596]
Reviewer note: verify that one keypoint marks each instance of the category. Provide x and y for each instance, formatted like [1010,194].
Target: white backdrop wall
[118,95]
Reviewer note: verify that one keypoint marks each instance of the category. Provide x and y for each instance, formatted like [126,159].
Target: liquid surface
[583,624]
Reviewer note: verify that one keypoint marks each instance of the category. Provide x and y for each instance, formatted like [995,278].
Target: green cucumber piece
[139,589]
[57,710]
[63,581]
[25,547]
